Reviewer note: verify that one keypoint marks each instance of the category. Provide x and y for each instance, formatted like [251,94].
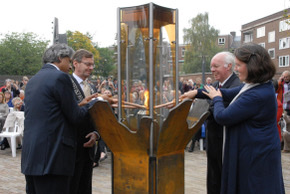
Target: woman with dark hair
[252,156]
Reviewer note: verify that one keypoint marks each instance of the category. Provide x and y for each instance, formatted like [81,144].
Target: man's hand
[93,137]
[188,95]
[88,99]
[109,98]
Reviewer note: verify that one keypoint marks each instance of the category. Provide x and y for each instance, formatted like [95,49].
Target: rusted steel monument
[148,139]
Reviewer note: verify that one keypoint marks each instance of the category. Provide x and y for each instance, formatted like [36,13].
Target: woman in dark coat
[252,156]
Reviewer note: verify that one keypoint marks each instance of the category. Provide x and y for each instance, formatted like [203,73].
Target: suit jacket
[51,112]
[233,81]
[84,127]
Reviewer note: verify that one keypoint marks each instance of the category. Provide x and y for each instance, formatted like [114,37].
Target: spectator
[8,98]
[23,82]
[17,104]
[286,135]
[11,87]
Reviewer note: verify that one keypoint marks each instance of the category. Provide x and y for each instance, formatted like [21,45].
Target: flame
[146,99]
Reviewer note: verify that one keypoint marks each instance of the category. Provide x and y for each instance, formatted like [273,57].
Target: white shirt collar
[225,80]
[54,66]
[79,80]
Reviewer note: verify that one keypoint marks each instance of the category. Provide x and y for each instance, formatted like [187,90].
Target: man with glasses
[51,112]
[83,64]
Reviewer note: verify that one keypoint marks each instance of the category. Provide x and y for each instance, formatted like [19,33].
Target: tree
[21,53]
[77,41]
[106,63]
[201,40]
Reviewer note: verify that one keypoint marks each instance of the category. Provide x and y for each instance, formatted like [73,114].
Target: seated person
[18,104]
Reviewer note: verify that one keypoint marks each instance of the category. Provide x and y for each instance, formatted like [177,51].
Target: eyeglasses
[89,64]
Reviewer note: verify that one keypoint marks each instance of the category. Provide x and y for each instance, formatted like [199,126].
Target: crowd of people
[11,99]
[246,129]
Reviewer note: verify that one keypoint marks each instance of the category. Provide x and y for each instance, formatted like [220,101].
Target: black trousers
[47,184]
[81,182]
[214,141]
[100,148]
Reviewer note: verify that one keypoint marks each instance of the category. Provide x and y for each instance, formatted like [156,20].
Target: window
[271,36]
[221,41]
[182,52]
[271,52]
[248,38]
[284,43]
[284,61]
[284,25]
[261,32]
[262,44]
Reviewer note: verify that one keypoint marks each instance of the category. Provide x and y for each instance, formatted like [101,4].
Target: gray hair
[229,58]
[57,51]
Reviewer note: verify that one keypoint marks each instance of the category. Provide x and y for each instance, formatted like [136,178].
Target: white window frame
[271,36]
[221,41]
[269,51]
[248,38]
[284,61]
[262,44]
[261,32]
[284,25]
[284,43]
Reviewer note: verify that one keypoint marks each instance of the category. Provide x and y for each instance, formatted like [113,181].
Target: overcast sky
[99,18]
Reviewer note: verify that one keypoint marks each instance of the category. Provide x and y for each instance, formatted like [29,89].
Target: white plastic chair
[12,135]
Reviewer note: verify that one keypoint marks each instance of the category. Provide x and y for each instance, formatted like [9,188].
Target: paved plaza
[12,181]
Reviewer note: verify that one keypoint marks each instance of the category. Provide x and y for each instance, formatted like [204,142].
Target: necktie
[86,89]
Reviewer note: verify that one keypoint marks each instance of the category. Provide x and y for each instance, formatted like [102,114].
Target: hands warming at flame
[106,97]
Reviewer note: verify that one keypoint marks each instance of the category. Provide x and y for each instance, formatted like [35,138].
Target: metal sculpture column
[148,140]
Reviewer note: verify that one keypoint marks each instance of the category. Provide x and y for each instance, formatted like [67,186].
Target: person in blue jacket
[252,156]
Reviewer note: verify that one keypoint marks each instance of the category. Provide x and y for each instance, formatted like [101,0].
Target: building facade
[273,33]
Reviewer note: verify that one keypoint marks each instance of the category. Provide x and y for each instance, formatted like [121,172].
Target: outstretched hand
[86,100]
[188,95]
[211,92]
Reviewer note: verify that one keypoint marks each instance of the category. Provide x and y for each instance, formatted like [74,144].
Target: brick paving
[12,181]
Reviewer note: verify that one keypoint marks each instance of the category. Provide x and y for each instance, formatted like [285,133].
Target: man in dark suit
[51,112]
[221,65]
[83,63]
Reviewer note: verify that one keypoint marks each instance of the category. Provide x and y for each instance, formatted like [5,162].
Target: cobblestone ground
[12,181]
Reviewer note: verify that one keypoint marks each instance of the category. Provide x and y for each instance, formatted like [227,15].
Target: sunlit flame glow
[146,99]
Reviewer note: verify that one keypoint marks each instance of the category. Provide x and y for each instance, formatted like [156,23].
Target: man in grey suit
[51,111]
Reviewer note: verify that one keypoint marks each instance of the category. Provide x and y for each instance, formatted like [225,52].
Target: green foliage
[201,42]
[21,53]
[106,63]
[77,41]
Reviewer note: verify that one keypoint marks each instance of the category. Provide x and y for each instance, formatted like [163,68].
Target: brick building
[273,33]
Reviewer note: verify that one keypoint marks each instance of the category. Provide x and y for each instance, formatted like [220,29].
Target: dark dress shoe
[95,165]
[19,147]
[3,147]
[103,158]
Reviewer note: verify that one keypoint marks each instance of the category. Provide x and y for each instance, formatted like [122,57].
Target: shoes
[95,165]
[103,157]
[285,151]
[19,147]
[3,146]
